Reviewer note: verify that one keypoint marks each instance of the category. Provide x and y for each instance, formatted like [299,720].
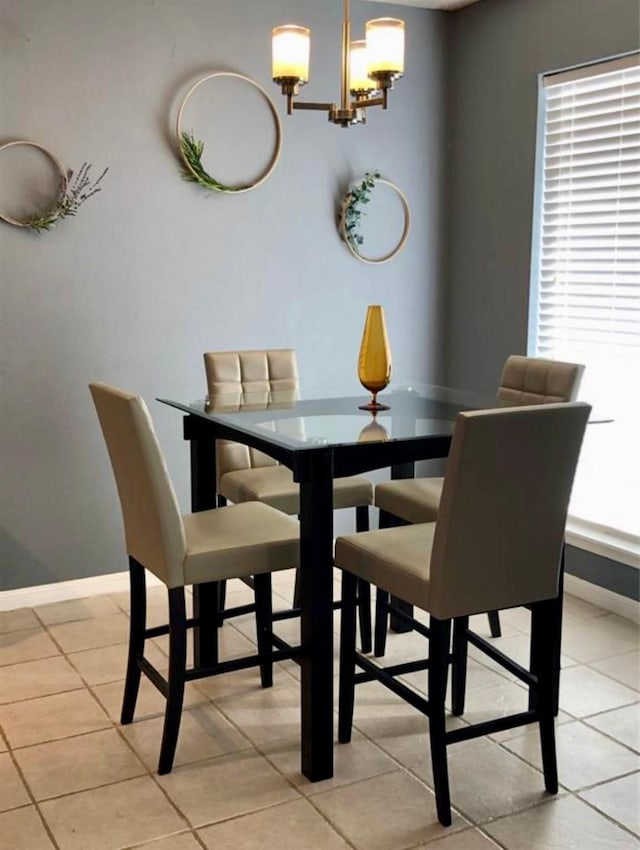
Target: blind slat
[587,298]
[575,147]
[595,73]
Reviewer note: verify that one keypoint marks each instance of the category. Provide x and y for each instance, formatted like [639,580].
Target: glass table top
[297,423]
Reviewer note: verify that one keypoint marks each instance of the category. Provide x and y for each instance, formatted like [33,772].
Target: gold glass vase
[374,362]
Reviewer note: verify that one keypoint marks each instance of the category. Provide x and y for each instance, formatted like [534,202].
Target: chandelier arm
[373,101]
[302,104]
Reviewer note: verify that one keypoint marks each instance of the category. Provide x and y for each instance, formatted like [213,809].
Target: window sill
[604,541]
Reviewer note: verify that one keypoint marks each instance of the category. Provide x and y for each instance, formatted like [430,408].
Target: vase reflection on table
[374,432]
[374,361]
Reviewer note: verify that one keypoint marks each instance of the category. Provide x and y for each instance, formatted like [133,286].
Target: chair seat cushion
[411,499]
[394,559]
[238,541]
[274,485]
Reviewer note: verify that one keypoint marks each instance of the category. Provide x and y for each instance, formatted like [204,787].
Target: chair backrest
[255,375]
[533,380]
[153,526]
[500,528]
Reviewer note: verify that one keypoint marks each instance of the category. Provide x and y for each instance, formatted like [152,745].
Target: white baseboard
[61,591]
[30,597]
[606,542]
[602,597]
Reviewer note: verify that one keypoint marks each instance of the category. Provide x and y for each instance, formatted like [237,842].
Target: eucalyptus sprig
[351,212]
[72,195]
[192,150]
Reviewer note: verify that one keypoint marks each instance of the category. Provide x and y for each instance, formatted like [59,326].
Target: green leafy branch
[351,210]
[72,195]
[192,150]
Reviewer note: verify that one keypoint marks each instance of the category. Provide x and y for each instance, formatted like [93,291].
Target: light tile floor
[71,778]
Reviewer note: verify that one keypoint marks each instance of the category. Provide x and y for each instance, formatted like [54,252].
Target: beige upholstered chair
[210,546]
[245,474]
[525,380]
[497,544]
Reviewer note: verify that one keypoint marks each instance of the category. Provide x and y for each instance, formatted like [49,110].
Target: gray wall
[151,273]
[612,575]
[496,50]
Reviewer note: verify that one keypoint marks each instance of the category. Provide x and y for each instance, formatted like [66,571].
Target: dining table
[318,439]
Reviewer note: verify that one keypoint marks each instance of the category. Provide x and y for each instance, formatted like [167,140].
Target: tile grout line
[302,798]
[117,727]
[34,802]
[568,791]
[149,773]
[471,829]
[612,820]
[149,844]
[500,744]
[154,776]
[602,782]
[607,735]
[257,749]
[574,794]
[274,766]
[607,675]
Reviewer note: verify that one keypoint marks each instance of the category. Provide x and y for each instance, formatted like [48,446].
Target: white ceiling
[430,4]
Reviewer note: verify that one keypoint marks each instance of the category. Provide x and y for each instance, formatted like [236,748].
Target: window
[585,304]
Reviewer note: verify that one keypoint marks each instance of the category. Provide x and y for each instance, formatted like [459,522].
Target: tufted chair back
[533,380]
[251,377]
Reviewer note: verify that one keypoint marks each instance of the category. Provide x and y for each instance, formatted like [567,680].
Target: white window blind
[586,287]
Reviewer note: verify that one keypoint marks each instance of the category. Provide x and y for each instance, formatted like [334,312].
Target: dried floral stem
[194,171]
[72,195]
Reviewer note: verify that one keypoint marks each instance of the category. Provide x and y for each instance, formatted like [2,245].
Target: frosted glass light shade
[290,52]
[385,46]
[358,73]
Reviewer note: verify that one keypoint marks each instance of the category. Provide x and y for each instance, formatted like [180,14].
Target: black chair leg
[364,588]
[382,622]
[364,615]
[459,665]
[264,626]
[206,599]
[494,624]
[177,667]
[296,590]
[558,609]
[553,631]
[536,643]
[545,614]
[222,601]
[137,625]
[385,520]
[222,585]
[440,636]
[347,657]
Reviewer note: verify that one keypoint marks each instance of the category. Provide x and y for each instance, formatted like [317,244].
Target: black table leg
[316,596]
[203,497]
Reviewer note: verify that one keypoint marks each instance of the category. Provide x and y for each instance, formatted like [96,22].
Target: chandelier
[369,67]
